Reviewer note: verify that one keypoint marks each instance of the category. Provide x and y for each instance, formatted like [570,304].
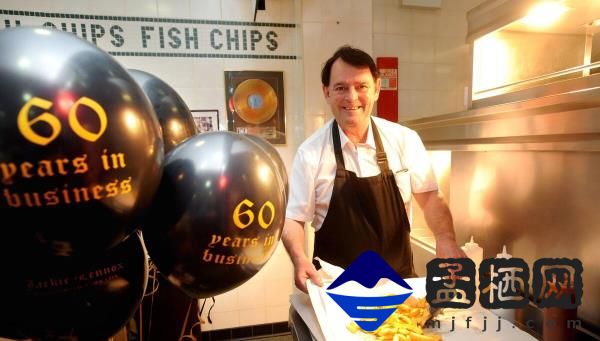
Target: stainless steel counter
[525,174]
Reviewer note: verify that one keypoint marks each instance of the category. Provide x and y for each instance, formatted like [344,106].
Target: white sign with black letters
[166,37]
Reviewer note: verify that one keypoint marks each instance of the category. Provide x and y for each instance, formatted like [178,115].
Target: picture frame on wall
[255,104]
[206,120]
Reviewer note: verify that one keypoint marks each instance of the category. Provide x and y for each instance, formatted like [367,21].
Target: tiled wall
[326,25]
[434,65]
[200,82]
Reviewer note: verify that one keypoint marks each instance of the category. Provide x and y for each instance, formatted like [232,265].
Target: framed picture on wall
[206,120]
[255,104]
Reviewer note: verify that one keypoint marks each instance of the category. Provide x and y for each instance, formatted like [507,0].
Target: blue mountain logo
[369,312]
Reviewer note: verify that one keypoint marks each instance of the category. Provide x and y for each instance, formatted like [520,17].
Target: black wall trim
[148,19]
[198,55]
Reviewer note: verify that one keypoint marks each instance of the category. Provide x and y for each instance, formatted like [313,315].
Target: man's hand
[303,270]
[447,248]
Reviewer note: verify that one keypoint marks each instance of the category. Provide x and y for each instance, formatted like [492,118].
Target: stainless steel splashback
[526,175]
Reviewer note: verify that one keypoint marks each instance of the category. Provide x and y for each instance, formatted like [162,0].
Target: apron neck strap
[379,151]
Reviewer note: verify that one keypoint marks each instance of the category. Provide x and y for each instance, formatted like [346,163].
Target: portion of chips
[405,324]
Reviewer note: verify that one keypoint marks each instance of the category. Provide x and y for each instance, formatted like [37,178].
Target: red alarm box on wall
[387,105]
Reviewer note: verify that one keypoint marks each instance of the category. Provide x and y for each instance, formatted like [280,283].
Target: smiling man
[355,178]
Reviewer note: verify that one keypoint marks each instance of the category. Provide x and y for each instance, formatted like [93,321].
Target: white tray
[327,321]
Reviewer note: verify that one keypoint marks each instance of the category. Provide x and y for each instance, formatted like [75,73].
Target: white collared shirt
[313,170]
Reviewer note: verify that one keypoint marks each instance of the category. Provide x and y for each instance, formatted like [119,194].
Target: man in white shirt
[354,179]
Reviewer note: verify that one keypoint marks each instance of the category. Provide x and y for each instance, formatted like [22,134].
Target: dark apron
[365,214]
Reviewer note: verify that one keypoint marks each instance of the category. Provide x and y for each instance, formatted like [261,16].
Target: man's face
[351,94]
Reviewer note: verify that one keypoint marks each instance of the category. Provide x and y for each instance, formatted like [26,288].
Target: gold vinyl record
[255,101]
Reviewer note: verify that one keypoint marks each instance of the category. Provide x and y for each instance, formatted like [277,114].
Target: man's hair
[352,56]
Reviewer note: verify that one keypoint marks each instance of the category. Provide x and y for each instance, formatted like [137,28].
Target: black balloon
[274,154]
[56,298]
[218,214]
[80,149]
[173,114]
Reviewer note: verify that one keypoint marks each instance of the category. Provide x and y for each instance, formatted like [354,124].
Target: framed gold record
[255,104]
[255,101]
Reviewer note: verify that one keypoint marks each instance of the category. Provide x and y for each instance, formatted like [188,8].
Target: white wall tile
[30,5]
[174,8]
[445,49]
[197,99]
[141,8]
[171,71]
[379,25]
[24,5]
[138,63]
[424,76]
[277,291]
[278,313]
[381,44]
[451,23]
[336,35]
[392,45]
[106,7]
[397,20]
[205,9]
[404,104]
[222,320]
[405,76]
[448,101]
[60,6]
[279,267]
[362,11]
[288,11]
[401,47]
[228,301]
[445,76]
[249,317]
[423,102]
[437,101]
[422,49]
[423,21]
[363,39]
[451,50]
[311,11]
[208,73]
[311,34]
[252,293]
[332,11]
[237,10]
